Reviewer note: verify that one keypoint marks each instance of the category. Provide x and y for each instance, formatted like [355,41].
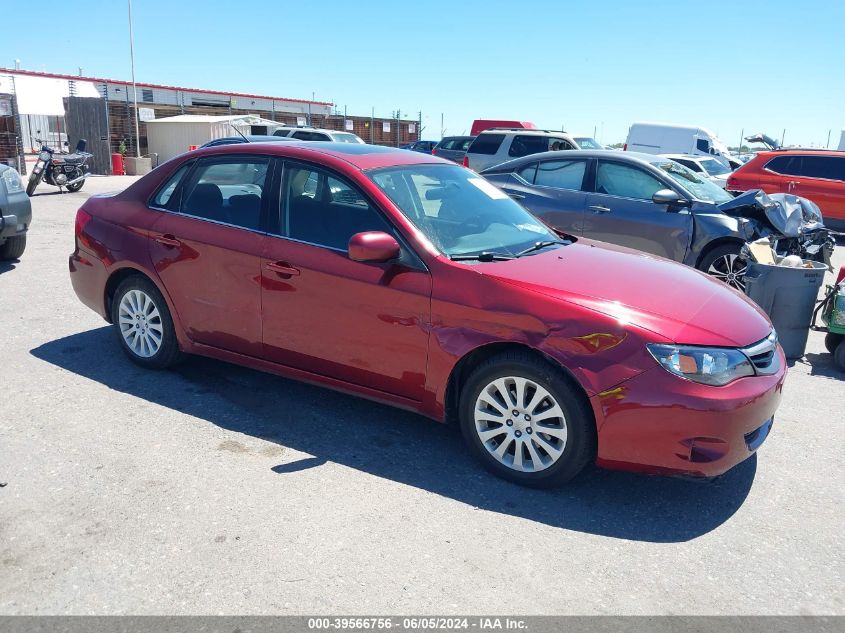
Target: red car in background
[409,280]
[818,175]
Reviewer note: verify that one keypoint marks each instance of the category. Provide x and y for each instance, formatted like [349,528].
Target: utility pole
[783,136]
[827,145]
[442,129]
[372,125]
[134,89]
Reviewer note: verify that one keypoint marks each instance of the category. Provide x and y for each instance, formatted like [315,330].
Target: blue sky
[727,66]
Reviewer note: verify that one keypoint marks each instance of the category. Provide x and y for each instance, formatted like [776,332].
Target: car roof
[630,157]
[359,155]
[521,131]
[800,150]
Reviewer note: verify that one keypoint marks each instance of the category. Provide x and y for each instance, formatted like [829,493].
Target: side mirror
[373,246]
[669,197]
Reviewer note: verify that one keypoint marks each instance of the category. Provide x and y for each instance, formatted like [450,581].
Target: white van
[664,138]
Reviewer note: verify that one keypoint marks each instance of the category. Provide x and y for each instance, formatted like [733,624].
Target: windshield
[586,142]
[714,167]
[459,212]
[343,137]
[696,184]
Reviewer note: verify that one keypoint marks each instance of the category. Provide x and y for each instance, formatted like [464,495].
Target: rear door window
[486,144]
[561,174]
[785,165]
[624,181]
[164,198]
[228,190]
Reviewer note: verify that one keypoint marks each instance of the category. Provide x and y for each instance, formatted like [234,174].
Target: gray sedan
[15,214]
[649,203]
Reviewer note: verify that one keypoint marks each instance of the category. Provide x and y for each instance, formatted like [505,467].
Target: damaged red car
[412,281]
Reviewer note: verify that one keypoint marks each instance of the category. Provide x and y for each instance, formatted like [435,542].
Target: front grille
[763,354]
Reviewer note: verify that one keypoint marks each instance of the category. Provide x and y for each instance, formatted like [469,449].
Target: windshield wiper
[543,244]
[485,256]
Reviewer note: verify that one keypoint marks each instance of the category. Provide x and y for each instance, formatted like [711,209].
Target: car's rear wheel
[13,248]
[725,264]
[526,423]
[143,324]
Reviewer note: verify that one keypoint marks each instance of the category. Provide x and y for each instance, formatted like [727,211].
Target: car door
[553,191]
[781,174]
[206,248]
[620,211]
[823,181]
[362,323]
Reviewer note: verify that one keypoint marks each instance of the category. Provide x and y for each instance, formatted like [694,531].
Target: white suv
[317,134]
[497,145]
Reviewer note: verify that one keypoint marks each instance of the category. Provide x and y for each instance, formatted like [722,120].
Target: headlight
[12,181]
[708,365]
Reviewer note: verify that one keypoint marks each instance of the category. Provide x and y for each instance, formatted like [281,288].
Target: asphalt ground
[216,489]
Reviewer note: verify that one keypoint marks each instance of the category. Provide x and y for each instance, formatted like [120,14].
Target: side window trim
[176,196]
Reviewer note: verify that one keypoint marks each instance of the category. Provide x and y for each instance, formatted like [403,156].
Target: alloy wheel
[520,424]
[140,323]
[729,268]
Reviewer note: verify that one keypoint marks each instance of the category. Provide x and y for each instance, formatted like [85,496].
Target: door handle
[282,268]
[168,240]
[599,209]
[516,196]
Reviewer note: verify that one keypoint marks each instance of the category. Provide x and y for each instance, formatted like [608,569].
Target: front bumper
[659,423]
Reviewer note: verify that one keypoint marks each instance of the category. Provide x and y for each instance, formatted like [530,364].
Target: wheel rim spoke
[140,323]
[520,424]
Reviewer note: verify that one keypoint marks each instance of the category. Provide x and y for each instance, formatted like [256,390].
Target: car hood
[671,300]
[789,215]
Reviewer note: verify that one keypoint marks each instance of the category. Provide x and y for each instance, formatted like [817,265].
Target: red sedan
[407,279]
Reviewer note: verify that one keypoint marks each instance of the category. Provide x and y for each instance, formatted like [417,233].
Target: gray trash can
[788,296]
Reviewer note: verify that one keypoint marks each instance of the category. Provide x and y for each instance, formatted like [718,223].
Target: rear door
[206,247]
[553,191]
[781,174]
[620,211]
[823,181]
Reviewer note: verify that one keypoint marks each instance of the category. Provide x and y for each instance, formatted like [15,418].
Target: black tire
[580,446]
[13,248]
[32,184]
[76,187]
[839,356]
[715,258]
[168,353]
[832,341]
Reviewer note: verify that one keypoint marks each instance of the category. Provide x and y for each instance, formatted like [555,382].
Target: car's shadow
[403,447]
[821,365]
[6,266]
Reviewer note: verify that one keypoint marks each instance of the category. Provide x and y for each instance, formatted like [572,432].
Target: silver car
[15,214]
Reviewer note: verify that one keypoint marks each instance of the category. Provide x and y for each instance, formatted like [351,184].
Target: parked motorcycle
[60,170]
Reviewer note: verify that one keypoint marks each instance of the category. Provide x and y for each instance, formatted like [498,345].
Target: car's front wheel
[525,421]
[725,264]
[143,324]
